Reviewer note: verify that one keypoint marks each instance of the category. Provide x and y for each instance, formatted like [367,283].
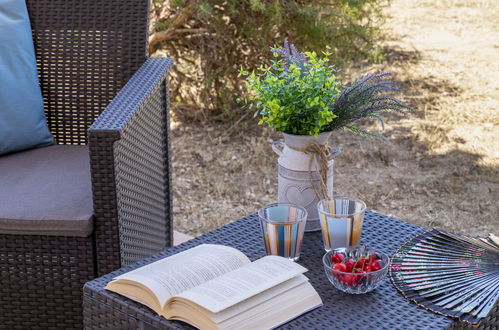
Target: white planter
[294,185]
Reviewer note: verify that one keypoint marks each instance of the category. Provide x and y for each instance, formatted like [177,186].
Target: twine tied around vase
[318,154]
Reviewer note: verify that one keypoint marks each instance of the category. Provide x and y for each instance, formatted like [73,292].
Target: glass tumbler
[341,221]
[282,229]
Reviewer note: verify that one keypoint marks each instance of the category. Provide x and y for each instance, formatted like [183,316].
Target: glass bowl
[355,283]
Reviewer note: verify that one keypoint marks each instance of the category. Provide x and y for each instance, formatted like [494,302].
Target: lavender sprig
[290,56]
[366,98]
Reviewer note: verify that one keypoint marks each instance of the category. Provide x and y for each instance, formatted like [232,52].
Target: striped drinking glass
[282,229]
[341,221]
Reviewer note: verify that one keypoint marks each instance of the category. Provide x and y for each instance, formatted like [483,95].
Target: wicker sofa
[100,198]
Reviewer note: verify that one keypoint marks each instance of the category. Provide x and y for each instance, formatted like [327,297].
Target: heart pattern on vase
[299,195]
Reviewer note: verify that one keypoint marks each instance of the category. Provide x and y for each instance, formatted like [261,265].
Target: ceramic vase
[294,181]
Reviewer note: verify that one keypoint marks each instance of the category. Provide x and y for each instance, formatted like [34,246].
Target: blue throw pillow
[22,121]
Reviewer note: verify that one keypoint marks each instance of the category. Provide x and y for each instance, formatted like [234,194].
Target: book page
[242,283]
[263,311]
[264,297]
[280,309]
[170,276]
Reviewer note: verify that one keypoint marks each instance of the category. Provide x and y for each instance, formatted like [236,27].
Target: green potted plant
[302,96]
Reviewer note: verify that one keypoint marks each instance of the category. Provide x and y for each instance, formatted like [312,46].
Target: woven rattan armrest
[130,168]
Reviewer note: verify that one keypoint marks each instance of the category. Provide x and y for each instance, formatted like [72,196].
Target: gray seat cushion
[46,191]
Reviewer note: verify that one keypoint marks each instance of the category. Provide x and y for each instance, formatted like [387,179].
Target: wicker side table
[382,308]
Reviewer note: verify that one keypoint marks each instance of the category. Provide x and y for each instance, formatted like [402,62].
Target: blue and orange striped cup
[341,220]
[282,229]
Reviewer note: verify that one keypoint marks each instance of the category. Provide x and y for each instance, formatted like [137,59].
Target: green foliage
[302,94]
[295,97]
[210,39]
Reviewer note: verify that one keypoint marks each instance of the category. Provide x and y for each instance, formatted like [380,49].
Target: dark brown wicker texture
[95,78]
[384,308]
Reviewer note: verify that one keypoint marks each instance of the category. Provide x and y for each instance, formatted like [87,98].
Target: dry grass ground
[441,169]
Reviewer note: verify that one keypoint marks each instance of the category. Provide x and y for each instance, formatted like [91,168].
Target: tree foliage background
[211,39]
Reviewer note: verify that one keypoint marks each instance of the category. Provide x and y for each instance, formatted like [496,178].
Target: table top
[384,307]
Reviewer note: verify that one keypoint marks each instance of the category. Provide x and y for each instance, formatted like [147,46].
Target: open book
[218,287]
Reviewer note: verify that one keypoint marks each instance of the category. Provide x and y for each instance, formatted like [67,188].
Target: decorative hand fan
[450,274]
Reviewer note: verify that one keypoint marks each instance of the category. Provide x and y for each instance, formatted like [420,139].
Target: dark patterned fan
[450,274]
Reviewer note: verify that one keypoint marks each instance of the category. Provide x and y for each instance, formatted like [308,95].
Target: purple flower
[366,98]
